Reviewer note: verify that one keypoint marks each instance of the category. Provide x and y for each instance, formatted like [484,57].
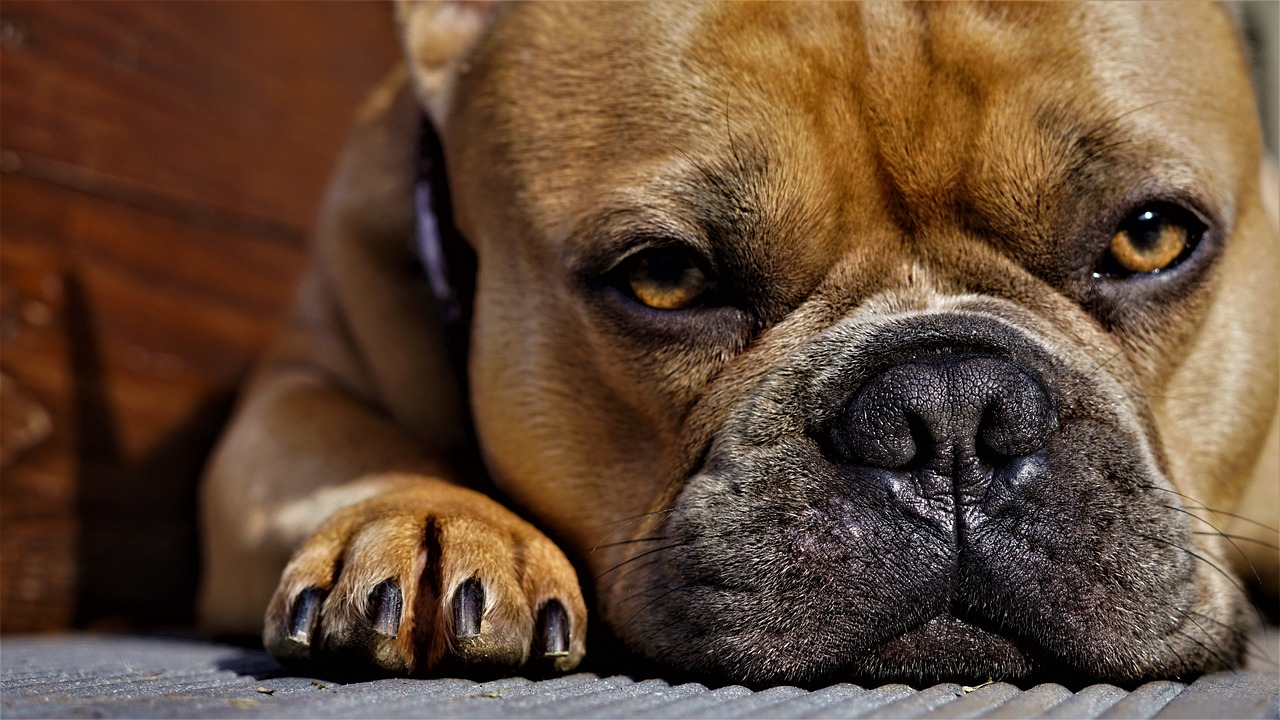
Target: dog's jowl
[784,342]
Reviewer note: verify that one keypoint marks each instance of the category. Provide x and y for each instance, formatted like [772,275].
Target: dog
[805,342]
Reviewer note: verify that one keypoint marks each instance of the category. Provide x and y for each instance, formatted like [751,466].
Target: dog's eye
[666,279]
[1153,238]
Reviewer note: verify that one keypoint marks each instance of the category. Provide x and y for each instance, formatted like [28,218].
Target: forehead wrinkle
[790,146]
[904,107]
[936,73]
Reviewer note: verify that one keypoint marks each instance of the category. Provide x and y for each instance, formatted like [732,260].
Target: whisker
[1151,396]
[636,557]
[1249,520]
[627,522]
[1246,639]
[1189,615]
[1245,538]
[1106,128]
[627,623]
[1229,539]
[642,516]
[670,652]
[1238,633]
[1197,556]
[632,570]
[1234,583]
[1092,372]
[1201,506]
[633,541]
[1226,664]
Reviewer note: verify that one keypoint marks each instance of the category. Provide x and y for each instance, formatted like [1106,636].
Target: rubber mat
[124,676]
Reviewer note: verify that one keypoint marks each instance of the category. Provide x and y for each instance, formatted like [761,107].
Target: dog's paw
[427,580]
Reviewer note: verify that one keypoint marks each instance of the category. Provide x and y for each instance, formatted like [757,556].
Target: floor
[137,677]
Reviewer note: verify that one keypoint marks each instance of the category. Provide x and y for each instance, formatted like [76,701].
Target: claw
[553,629]
[468,608]
[387,602]
[306,612]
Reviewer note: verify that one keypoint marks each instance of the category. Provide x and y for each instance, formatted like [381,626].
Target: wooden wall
[160,166]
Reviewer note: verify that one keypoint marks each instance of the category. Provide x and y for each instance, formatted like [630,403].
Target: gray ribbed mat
[119,676]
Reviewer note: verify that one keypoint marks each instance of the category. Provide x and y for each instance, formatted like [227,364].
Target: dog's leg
[328,505]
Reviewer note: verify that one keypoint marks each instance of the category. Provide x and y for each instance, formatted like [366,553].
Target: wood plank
[233,106]
[38,519]
[133,330]
[160,164]
[171,302]
[145,325]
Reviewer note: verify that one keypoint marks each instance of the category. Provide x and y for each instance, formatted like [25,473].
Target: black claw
[386,602]
[306,612]
[468,608]
[553,629]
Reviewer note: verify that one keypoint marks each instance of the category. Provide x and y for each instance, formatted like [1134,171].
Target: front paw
[424,581]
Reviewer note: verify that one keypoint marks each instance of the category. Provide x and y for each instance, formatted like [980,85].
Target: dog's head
[871,341]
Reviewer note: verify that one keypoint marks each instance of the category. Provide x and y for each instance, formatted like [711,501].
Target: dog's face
[874,341]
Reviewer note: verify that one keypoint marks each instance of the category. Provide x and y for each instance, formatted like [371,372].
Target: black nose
[955,419]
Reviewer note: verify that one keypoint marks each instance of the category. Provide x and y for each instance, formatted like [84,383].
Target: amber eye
[1153,238]
[666,279]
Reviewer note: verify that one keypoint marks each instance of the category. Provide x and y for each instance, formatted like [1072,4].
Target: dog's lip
[950,648]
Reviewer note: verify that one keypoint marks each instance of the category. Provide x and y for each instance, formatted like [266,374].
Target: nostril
[892,422]
[925,446]
[890,441]
[1018,420]
[945,412]
[883,441]
[997,455]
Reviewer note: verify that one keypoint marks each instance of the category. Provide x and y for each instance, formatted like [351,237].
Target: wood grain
[161,164]
[232,106]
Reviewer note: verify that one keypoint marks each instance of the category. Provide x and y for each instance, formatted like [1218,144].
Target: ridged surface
[102,676]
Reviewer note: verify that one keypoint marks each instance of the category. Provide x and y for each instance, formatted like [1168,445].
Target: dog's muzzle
[932,496]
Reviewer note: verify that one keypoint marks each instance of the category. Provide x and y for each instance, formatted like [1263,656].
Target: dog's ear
[438,35]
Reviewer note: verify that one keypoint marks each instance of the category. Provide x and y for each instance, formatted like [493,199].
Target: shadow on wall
[139,526]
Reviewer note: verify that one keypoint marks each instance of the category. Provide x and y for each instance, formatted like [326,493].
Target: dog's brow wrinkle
[1086,148]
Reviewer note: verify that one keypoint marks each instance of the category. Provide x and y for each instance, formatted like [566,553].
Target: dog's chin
[944,649]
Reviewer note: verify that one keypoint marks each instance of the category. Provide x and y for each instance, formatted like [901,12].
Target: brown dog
[873,341]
